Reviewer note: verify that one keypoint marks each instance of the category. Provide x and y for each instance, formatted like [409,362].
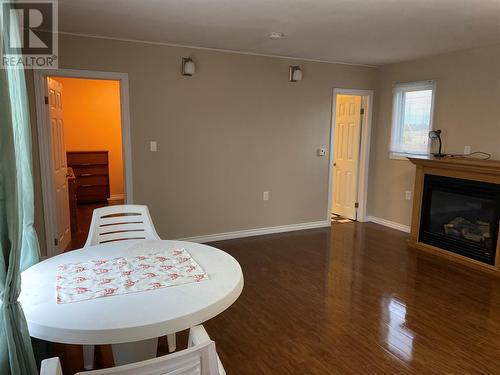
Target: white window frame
[397,114]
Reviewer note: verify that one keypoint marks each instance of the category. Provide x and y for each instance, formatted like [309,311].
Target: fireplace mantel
[455,167]
[460,163]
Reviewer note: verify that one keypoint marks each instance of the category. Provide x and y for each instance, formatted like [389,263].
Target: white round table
[134,316]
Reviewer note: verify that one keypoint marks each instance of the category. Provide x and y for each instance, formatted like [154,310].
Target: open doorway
[91,141]
[84,152]
[349,156]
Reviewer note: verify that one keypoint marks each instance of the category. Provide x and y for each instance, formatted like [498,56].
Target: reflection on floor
[339,219]
[84,217]
[352,299]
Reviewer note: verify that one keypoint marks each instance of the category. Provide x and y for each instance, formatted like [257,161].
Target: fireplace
[461,216]
[456,210]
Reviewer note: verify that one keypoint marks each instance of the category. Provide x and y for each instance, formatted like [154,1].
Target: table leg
[136,351]
[88,357]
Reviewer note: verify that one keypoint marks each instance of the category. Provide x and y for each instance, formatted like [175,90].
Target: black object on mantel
[436,134]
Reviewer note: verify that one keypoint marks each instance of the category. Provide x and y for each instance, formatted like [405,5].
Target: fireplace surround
[456,210]
[460,216]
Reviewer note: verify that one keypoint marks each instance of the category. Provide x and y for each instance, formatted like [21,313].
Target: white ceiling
[372,32]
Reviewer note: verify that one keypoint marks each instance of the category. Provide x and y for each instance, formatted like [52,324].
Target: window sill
[398,156]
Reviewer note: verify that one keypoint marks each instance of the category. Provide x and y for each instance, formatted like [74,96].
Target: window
[412,113]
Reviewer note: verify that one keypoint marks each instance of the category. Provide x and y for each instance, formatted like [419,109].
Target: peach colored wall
[92,121]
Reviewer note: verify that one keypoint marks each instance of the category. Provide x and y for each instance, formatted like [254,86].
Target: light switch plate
[321,152]
[467,150]
[265,196]
[153,146]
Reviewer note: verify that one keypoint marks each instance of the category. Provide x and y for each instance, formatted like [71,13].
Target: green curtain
[18,242]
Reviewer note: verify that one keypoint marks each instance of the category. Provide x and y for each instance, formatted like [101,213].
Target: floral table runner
[109,277]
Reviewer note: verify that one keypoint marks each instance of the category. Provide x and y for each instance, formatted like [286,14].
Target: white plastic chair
[120,223]
[200,358]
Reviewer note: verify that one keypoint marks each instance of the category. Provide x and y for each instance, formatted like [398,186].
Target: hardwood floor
[354,300]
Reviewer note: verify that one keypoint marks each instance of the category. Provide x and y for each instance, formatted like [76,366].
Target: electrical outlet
[153,146]
[466,150]
[265,196]
[408,195]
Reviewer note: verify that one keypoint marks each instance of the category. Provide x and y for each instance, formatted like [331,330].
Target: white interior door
[346,155]
[55,103]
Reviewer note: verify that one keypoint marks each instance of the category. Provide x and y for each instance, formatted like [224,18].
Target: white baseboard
[257,232]
[116,197]
[388,223]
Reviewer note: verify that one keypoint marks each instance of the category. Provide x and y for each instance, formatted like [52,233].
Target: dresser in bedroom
[91,169]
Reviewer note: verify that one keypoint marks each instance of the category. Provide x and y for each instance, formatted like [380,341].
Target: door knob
[334,164]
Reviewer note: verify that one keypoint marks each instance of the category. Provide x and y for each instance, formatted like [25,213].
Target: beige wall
[235,129]
[467,109]
[238,128]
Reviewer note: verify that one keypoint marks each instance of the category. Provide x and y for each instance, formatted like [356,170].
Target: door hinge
[362,111]
[56,242]
[46,100]
[356,205]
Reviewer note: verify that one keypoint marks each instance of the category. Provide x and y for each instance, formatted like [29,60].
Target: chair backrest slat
[125,227]
[120,223]
[135,218]
[197,360]
[122,236]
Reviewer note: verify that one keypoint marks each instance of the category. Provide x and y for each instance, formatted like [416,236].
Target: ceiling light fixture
[276,35]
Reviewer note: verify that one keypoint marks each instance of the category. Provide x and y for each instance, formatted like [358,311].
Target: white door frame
[364,157]
[45,151]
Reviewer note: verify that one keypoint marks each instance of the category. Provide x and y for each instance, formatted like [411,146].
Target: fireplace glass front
[461,216]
